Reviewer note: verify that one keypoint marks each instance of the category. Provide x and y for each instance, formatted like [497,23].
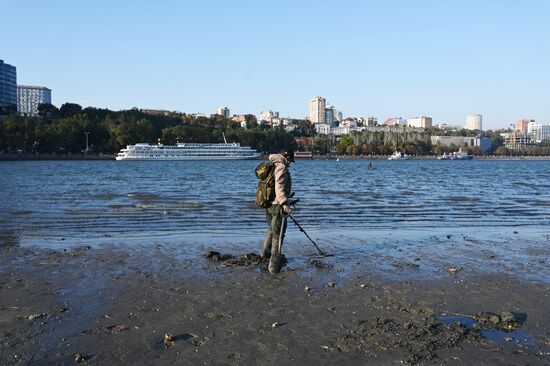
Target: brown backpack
[265,191]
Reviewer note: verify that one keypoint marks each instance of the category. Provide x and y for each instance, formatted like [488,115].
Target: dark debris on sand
[244,260]
[318,264]
[420,338]
[504,320]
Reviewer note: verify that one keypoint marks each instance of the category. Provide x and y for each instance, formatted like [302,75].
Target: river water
[91,197]
[129,203]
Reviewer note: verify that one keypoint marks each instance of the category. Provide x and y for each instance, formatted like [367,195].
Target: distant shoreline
[38,157]
[425,157]
[20,157]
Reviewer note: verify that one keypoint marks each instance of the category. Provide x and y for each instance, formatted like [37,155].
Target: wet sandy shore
[112,306]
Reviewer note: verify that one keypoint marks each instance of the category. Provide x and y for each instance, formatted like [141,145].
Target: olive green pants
[274,220]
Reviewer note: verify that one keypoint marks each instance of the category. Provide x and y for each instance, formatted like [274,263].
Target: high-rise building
[8,85]
[372,121]
[539,132]
[329,116]
[521,125]
[317,108]
[420,122]
[473,122]
[223,111]
[29,97]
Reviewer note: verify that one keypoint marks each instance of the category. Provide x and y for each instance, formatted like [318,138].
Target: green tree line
[408,142]
[63,130]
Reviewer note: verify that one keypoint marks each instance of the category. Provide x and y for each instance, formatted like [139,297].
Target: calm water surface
[86,199]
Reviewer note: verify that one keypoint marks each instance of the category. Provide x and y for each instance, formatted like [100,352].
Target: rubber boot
[266,249]
[275,262]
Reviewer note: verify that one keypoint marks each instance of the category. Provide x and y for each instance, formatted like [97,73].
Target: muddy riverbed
[113,305]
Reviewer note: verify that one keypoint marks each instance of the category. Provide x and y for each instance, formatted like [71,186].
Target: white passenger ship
[187,151]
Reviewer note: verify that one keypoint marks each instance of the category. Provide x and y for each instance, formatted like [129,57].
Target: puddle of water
[492,334]
[451,319]
[516,336]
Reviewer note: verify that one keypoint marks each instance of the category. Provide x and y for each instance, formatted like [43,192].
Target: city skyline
[382,59]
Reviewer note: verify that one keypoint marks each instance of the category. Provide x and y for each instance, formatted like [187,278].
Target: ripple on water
[212,194]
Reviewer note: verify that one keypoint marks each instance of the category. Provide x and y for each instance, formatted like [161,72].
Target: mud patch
[503,320]
[502,327]
[319,264]
[419,339]
[112,329]
[244,260]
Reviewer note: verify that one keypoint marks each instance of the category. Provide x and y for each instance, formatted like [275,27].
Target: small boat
[398,156]
[459,155]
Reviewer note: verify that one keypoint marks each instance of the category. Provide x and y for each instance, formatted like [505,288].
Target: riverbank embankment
[23,157]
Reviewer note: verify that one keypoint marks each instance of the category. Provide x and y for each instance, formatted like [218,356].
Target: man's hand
[286,210]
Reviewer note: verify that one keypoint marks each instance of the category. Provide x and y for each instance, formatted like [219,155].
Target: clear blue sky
[384,58]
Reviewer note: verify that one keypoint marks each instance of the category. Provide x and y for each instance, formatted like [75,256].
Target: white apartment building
[539,132]
[473,122]
[317,107]
[223,111]
[29,97]
[268,116]
[420,122]
[322,128]
[325,129]
[349,122]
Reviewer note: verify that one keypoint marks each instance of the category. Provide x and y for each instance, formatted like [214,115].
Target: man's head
[289,155]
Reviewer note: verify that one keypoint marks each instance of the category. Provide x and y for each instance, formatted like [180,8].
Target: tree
[352,149]
[321,145]
[367,149]
[475,150]
[496,141]
[501,150]
[15,133]
[438,150]
[69,109]
[342,145]
[251,121]
[47,111]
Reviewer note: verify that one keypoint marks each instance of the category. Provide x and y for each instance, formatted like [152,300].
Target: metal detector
[293,203]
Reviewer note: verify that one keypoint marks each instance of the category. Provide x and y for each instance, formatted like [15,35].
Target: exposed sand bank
[108,305]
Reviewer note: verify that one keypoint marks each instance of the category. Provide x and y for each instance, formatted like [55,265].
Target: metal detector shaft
[302,230]
[282,233]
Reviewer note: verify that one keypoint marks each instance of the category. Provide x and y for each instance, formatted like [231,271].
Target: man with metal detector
[277,213]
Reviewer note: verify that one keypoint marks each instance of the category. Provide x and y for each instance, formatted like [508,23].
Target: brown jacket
[283,182]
